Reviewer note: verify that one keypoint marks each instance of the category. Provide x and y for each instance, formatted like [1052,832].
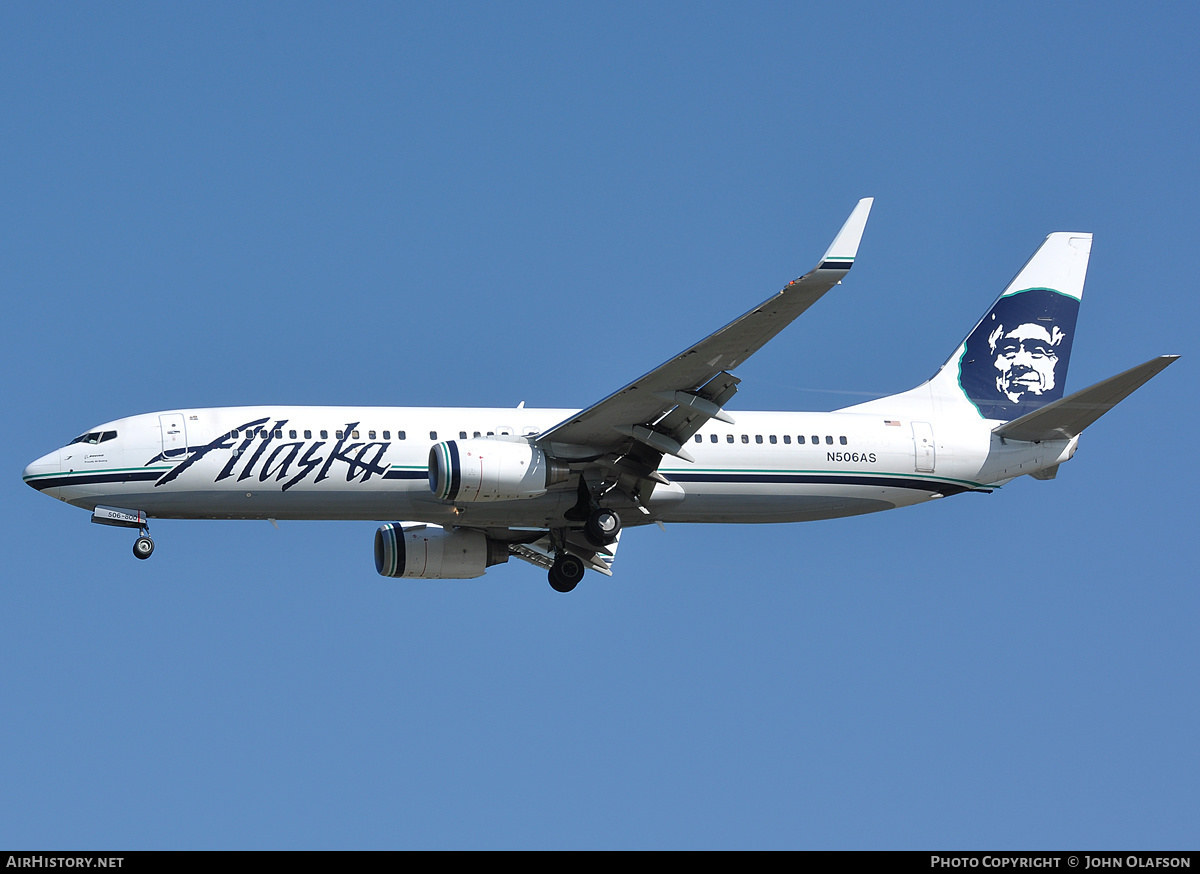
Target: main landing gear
[602,527]
[600,530]
[566,572]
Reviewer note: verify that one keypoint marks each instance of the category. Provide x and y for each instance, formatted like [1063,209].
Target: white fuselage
[372,463]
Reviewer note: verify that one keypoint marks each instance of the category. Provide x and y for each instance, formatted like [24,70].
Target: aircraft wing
[664,408]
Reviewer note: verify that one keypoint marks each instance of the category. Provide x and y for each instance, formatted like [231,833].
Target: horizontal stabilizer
[1067,417]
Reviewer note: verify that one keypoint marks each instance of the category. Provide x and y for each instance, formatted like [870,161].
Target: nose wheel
[143,547]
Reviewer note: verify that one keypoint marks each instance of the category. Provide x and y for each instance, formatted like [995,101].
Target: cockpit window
[95,437]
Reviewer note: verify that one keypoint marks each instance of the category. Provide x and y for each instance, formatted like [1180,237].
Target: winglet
[841,252]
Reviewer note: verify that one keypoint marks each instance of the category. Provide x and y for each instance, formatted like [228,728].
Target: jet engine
[491,470]
[430,552]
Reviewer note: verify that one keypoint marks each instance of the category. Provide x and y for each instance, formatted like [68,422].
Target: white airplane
[555,487]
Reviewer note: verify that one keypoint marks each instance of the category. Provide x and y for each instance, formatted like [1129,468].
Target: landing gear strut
[566,572]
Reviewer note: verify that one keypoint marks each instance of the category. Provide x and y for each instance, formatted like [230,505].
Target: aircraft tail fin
[1015,359]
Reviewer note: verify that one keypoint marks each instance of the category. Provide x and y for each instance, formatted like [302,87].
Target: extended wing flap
[1067,417]
[641,403]
[540,552]
[694,409]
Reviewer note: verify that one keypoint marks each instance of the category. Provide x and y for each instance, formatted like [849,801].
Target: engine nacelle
[491,470]
[430,552]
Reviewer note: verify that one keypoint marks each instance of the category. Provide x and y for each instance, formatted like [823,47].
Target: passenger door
[174,435]
[923,447]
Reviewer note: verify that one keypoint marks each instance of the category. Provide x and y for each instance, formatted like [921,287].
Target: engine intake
[491,470]
[430,552]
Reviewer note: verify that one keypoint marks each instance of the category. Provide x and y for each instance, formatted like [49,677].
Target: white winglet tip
[845,245]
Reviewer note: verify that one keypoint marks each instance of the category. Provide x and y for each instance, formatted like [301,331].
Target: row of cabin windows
[264,433]
[292,434]
[758,438]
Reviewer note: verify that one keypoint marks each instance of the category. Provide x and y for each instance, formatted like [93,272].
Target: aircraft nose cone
[37,471]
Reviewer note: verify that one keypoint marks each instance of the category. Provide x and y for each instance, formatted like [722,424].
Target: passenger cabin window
[399,435]
[370,435]
[324,434]
[387,435]
[816,439]
[462,435]
[279,433]
[829,439]
[745,438]
[292,435]
[713,438]
[728,438]
[699,439]
[772,438]
[433,435]
[787,438]
[353,435]
[339,434]
[307,434]
[842,440]
[758,438]
[476,434]
[800,439]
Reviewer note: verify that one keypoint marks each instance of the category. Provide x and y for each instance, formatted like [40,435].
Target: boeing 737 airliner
[555,487]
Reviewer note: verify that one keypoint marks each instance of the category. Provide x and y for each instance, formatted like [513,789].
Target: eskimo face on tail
[1025,358]
[1016,358]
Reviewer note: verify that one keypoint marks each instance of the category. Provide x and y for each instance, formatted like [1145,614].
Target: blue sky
[482,204]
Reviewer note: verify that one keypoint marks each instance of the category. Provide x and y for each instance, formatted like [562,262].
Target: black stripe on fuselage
[943,488]
[76,479]
[885,482]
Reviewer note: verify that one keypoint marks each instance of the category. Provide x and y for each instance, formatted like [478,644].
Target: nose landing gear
[143,547]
